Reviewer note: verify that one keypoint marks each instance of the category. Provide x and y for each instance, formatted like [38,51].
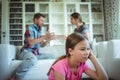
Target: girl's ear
[70,51]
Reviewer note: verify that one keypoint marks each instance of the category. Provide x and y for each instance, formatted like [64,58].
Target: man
[33,41]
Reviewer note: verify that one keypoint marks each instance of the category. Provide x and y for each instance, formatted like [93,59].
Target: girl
[76,20]
[73,64]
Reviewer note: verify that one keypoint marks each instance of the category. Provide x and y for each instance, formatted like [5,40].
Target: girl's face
[81,51]
[73,20]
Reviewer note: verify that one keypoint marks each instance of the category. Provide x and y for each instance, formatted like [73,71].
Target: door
[4,22]
[0,19]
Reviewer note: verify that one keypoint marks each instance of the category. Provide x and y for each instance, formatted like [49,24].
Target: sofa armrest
[7,53]
[113,61]
[113,68]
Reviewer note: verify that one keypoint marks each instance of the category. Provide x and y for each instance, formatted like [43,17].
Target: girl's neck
[72,63]
[79,25]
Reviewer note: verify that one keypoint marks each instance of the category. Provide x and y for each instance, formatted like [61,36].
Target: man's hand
[50,36]
[90,54]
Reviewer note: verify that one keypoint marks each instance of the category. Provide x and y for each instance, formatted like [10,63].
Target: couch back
[114,48]
[101,48]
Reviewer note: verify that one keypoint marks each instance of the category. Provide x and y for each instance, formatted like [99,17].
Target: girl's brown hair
[76,15]
[71,41]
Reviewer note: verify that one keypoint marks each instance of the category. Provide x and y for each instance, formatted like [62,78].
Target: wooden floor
[93,79]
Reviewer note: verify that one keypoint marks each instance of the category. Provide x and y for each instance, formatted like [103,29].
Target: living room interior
[102,18]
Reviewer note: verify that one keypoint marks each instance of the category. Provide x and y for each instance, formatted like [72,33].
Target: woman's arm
[99,72]
[86,34]
[58,76]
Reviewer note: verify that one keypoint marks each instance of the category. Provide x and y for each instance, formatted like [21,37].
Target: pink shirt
[63,68]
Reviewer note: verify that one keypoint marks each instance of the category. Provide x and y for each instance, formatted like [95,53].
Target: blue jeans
[28,60]
[45,56]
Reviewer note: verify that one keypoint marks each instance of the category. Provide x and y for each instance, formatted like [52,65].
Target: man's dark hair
[38,15]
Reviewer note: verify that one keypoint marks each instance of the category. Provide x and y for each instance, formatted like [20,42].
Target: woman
[73,64]
[76,20]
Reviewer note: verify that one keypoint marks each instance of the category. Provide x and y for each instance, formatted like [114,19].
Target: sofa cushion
[37,72]
[114,48]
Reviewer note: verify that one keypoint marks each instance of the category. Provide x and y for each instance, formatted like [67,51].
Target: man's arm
[86,34]
[33,41]
[43,39]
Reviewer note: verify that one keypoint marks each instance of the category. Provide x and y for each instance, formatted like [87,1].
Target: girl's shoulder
[61,66]
[62,61]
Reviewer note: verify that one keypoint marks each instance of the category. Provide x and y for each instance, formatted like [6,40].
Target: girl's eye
[88,48]
[85,49]
[82,49]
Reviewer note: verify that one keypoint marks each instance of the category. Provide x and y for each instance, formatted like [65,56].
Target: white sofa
[8,63]
[107,53]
